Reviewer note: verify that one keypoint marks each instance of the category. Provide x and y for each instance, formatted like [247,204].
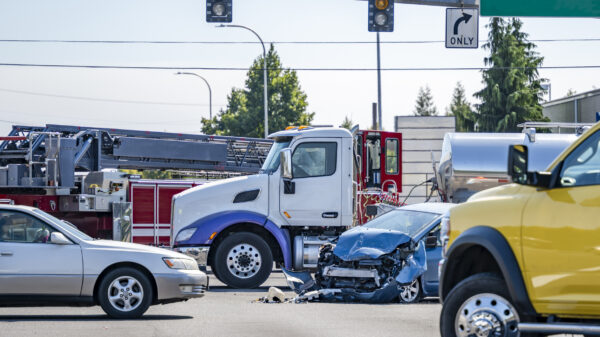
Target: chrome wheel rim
[244,261]
[125,293]
[486,315]
[410,292]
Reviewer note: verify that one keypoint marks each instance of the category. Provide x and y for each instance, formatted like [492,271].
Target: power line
[80,66]
[101,99]
[268,42]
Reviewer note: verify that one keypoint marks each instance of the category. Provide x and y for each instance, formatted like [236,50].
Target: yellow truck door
[561,237]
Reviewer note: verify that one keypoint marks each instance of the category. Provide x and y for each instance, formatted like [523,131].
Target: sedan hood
[132,247]
[368,243]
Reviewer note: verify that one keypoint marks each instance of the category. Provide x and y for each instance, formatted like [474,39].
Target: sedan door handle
[6,253]
[330,215]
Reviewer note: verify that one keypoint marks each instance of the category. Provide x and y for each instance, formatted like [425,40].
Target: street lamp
[209,90]
[265,73]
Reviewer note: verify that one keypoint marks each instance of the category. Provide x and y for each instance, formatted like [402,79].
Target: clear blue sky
[332,95]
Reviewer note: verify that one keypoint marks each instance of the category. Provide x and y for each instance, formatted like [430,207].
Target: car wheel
[480,305]
[243,260]
[411,293]
[125,293]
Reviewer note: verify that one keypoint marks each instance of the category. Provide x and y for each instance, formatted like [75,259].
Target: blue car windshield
[408,222]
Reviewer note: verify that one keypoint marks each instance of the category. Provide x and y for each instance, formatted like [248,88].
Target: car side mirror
[431,241]
[59,238]
[285,160]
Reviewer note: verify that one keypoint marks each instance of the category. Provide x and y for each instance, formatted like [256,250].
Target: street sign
[554,8]
[462,28]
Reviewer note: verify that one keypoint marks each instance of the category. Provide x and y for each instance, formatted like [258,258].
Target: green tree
[512,86]
[347,123]
[244,115]
[570,93]
[461,109]
[424,105]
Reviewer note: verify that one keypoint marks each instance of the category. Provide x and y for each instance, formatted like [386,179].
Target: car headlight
[185,234]
[179,263]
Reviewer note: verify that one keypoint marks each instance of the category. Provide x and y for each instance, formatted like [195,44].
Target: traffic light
[219,10]
[381,15]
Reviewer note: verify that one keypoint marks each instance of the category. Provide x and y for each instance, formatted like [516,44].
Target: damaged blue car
[392,257]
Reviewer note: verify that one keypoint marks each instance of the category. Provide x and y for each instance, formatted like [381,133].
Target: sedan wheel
[125,293]
[411,293]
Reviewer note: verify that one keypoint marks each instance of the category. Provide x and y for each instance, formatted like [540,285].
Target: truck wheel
[479,306]
[125,293]
[243,260]
[411,293]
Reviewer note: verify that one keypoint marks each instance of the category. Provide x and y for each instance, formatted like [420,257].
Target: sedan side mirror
[59,238]
[431,241]
[285,160]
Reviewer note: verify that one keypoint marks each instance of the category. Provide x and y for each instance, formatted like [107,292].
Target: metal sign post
[462,28]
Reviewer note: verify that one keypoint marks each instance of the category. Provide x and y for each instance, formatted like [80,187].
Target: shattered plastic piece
[299,282]
[415,266]
[275,295]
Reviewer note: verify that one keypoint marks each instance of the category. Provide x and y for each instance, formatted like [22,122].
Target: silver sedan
[45,261]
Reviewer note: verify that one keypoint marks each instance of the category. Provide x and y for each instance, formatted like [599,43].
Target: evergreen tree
[512,86]
[244,115]
[347,123]
[424,105]
[570,93]
[461,109]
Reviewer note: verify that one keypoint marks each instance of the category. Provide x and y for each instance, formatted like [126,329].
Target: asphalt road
[229,312]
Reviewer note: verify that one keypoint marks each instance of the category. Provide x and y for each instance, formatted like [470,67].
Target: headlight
[179,263]
[185,234]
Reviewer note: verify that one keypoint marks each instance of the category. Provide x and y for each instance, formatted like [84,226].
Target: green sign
[555,8]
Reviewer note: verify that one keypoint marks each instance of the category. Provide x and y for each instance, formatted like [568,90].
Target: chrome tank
[472,162]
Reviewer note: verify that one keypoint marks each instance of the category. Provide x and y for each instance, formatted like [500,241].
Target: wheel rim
[410,292]
[125,293]
[244,261]
[485,315]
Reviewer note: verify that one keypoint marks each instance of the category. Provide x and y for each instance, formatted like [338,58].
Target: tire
[412,293]
[243,260]
[125,293]
[479,299]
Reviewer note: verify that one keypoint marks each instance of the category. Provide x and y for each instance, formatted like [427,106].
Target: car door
[316,196]
[430,279]
[30,264]
[561,236]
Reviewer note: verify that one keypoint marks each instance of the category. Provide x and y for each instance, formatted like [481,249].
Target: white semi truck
[312,185]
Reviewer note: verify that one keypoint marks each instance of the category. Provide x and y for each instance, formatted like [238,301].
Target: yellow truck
[523,259]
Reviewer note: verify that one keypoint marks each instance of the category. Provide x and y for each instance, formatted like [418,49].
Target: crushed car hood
[363,243]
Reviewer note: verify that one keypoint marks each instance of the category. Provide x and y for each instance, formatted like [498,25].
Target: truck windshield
[272,162]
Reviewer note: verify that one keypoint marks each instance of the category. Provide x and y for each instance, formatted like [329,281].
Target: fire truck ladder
[49,156]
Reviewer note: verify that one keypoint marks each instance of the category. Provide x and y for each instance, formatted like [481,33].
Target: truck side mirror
[518,163]
[431,241]
[285,160]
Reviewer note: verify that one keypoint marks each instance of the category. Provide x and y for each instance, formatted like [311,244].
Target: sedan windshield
[409,222]
[62,225]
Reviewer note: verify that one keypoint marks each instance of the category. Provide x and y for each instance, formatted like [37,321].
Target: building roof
[591,93]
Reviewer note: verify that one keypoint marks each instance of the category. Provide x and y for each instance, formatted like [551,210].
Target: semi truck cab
[313,185]
[239,226]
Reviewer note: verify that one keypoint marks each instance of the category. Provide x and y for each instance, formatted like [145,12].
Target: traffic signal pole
[379,83]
